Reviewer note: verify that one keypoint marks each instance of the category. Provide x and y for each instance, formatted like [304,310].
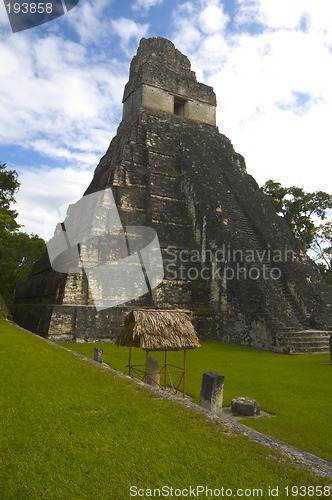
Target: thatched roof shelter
[158,330]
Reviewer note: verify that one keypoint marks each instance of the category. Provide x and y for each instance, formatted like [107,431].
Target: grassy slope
[71,430]
[295,388]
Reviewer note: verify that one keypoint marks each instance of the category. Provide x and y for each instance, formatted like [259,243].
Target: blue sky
[61,85]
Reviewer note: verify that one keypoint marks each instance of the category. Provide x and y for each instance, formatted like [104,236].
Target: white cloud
[212,18]
[47,88]
[253,73]
[286,14]
[3,15]
[143,6]
[89,20]
[49,189]
[129,31]
[56,100]
[187,35]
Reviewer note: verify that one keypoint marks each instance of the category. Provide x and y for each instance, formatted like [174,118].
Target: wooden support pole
[146,359]
[184,373]
[129,362]
[165,370]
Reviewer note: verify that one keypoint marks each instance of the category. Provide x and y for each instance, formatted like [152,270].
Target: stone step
[292,321]
[245,226]
[306,341]
[307,333]
[292,306]
[308,350]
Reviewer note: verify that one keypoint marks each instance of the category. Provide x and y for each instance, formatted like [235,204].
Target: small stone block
[245,406]
[152,372]
[98,355]
[212,391]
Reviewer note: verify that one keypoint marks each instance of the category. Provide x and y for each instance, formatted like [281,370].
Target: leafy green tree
[299,209]
[322,247]
[9,186]
[18,250]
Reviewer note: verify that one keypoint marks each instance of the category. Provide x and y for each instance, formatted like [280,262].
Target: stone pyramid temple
[226,255]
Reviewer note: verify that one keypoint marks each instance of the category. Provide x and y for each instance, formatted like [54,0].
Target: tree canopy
[302,212]
[18,250]
[299,209]
[9,186]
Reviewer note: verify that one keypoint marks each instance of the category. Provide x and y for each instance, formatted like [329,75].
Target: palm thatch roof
[158,330]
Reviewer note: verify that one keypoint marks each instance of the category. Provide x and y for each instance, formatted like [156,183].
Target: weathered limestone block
[212,391]
[172,292]
[152,376]
[137,176]
[245,406]
[169,186]
[167,209]
[177,235]
[98,355]
[132,198]
[163,164]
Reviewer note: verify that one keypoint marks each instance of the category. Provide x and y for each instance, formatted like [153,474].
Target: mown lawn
[71,430]
[297,389]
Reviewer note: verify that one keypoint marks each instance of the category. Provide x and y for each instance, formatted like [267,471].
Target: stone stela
[212,391]
[98,355]
[152,375]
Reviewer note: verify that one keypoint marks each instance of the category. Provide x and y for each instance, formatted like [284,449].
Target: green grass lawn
[71,430]
[297,389]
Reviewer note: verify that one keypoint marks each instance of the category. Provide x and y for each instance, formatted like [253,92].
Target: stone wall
[155,99]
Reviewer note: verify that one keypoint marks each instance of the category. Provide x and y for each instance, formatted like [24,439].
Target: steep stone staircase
[297,338]
[244,225]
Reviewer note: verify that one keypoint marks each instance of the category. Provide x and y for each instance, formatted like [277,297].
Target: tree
[322,246]
[18,250]
[9,186]
[299,209]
